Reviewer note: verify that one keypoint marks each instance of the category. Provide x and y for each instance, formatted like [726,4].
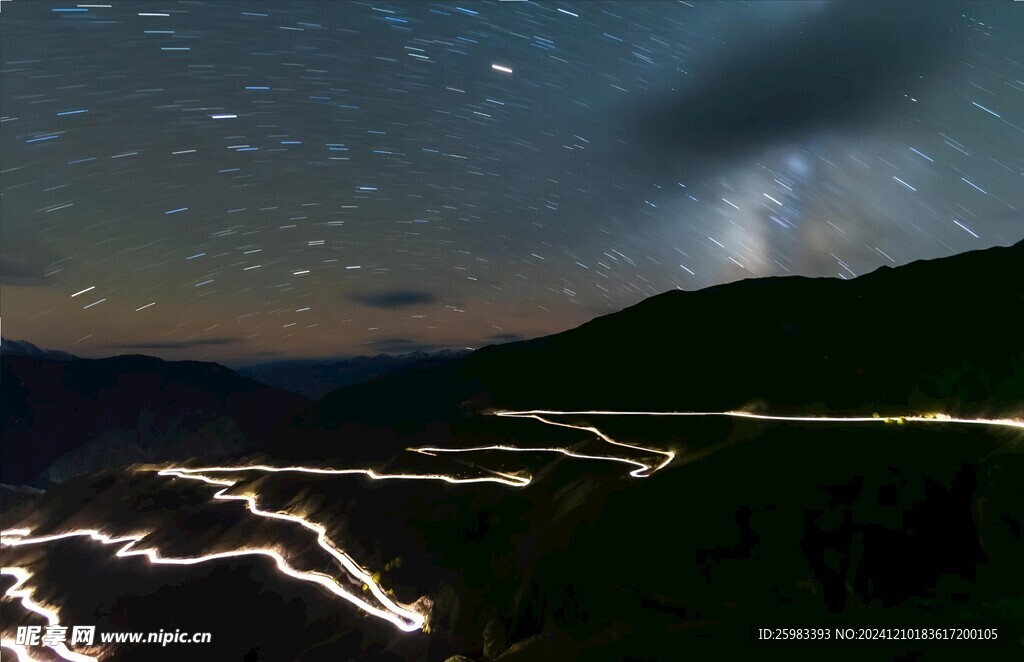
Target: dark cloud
[393,298]
[180,344]
[24,265]
[843,65]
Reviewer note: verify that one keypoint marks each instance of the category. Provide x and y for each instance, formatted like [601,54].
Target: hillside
[63,417]
[931,335]
[316,378]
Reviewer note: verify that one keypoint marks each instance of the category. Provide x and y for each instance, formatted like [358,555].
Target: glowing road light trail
[642,470]
[402,617]
[413,620]
[503,478]
[645,470]
[917,418]
[405,618]
[641,467]
[20,591]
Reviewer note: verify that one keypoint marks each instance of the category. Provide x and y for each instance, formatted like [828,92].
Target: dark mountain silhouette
[316,378]
[63,416]
[931,335]
[24,348]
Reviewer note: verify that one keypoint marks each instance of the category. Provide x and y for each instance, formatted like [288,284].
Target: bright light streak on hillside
[405,617]
[197,474]
[21,592]
[642,470]
[917,418]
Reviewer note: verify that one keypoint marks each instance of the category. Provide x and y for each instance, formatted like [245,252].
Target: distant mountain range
[316,378]
[931,335]
[23,348]
[64,416]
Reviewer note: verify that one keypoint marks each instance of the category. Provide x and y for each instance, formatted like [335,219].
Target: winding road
[406,618]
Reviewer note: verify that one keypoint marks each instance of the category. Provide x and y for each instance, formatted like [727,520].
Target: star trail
[242,181]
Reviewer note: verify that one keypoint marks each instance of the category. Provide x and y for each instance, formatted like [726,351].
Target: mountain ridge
[886,341]
[63,417]
[315,378]
[24,348]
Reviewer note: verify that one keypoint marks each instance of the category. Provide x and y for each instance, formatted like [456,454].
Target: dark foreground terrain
[754,524]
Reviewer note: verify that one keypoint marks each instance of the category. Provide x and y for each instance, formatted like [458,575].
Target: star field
[242,181]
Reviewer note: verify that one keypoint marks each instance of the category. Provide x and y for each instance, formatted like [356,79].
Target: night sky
[245,181]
